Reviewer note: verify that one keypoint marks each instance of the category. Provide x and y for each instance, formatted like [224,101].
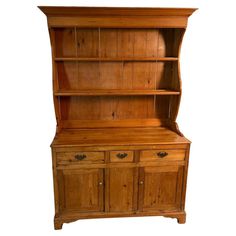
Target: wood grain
[121,189]
[117,150]
[117,21]
[160,189]
[123,136]
[171,155]
[87,42]
[128,58]
[112,92]
[80,190]
[71,157]
[109,108]
[65,45]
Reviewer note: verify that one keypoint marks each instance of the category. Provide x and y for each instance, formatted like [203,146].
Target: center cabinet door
[121,189]
[160,188]
[81,190]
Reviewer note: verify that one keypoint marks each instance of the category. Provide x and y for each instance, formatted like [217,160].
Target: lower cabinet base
[71,217]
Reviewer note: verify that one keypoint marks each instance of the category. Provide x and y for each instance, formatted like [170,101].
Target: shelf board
[116,59]
[115,92]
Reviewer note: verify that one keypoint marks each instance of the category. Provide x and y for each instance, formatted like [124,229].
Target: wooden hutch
[117,88]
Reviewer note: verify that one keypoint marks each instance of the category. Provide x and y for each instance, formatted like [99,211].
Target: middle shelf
[119,59]
[111,92]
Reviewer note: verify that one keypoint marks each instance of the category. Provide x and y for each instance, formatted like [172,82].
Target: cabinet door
[122,189]
[160,188]
[81,190]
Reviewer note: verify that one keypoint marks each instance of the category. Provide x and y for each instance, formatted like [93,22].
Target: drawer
[80,157]
[162,155]
[121,156]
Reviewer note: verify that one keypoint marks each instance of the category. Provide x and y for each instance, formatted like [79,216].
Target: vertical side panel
[176,75]
[55,83]
[55,182]
[185,174]
[164,76]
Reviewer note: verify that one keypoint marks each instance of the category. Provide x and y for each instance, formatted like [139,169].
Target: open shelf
[107,59]
[110,77]
[112,92]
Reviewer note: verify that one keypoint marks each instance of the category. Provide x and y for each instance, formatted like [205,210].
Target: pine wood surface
[116,59]
[110,92]
[139,11]
[117,150]
[117,136]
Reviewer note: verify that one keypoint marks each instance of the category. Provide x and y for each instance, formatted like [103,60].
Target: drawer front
[80,157]
[162,155]
[121,156]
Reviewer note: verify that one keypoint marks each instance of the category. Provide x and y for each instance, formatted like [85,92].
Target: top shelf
[116,58]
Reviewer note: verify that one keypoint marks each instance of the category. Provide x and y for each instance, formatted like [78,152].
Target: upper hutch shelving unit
[116,86]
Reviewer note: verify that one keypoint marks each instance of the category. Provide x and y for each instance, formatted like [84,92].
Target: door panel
[81,190]
[122,189]
[160,188]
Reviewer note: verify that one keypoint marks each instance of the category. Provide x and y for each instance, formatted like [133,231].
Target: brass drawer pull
[80,157]
[162,154]
[122,155]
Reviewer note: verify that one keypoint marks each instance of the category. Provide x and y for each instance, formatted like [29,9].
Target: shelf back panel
[77,42]
[114,107]
[116,75]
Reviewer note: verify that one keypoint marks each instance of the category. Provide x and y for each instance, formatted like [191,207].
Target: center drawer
[80,157]
[121,156]
[162,155]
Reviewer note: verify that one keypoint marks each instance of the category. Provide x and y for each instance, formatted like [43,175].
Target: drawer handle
[162,154]
[122,155]
[80,157]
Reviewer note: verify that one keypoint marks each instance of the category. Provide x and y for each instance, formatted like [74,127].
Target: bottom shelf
[117,136]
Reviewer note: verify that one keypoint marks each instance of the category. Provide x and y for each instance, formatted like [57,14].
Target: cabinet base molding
[71,217]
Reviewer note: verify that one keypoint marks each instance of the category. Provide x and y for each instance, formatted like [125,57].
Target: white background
[207,117]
